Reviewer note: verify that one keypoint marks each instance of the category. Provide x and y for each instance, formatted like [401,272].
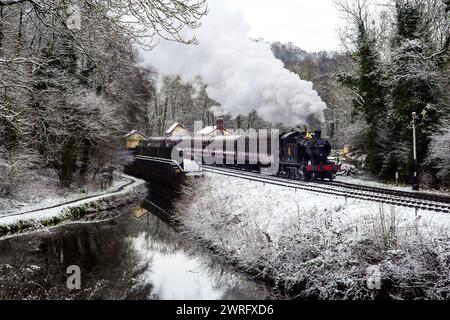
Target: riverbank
[119,258]
[123,191]
[311,246]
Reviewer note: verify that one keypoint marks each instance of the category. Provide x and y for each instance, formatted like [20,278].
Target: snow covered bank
[43,189]
[367,181]
[318,246]
[124,191]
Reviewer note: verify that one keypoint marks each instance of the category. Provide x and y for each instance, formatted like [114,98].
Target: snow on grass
[317,246]
[43,190]
[276,203]
[120,187]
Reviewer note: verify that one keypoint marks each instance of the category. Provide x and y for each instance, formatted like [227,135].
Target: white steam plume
[241,74]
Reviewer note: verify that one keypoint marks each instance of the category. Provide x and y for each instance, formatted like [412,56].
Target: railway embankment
[125,190]
[316,246]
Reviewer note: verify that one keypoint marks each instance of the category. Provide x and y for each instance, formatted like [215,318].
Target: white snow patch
[43,214]
[276,204]
[190,166]
[371,183]
[322,242]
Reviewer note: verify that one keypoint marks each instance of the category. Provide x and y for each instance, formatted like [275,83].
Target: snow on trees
[367,82]
[402,58]
[439,155]
[414,81]
[67,93]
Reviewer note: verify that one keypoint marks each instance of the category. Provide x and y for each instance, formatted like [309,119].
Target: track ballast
[422,201]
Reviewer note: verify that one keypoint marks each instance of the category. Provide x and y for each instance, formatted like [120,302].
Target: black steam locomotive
[298,155]
[304,156]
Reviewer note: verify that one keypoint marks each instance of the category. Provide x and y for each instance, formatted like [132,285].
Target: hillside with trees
[402,66]
[71,84]
[395,62]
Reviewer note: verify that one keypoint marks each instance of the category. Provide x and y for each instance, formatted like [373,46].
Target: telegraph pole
[415,182]
[415,120]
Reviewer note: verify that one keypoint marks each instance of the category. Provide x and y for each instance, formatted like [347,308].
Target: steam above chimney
[289,100]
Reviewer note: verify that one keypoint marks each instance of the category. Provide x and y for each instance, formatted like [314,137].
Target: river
[122,258]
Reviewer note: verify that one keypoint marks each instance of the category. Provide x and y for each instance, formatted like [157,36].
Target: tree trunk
[85,159]
[68,164]
[1,32]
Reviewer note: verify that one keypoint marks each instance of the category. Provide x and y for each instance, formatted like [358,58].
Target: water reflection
[124,258]
[172,274]
[176,270]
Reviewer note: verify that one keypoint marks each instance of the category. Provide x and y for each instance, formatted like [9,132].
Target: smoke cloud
[242,74]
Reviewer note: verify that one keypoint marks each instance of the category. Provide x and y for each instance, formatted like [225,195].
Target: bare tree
[62,85]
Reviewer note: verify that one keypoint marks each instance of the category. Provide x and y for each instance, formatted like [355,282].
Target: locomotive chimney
[318,134]
[219,124]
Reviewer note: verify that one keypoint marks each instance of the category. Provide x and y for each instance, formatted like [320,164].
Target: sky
[309,24]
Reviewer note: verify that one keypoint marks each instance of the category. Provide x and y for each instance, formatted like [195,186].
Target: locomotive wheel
[308,176]
[301,175]
[290,173]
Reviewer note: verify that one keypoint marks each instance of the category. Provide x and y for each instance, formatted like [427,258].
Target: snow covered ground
[43,190]
[369,182]
[318,246]
[275,203]
[54,206]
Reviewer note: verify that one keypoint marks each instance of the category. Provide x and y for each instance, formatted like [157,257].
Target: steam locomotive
[304,156]
[297,155]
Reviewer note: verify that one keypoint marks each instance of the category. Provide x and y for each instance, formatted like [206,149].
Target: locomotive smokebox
[318,134]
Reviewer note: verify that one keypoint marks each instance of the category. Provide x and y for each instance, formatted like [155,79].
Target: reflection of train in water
[300,155]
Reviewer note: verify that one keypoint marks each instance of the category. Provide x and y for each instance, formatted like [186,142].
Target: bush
[314,254]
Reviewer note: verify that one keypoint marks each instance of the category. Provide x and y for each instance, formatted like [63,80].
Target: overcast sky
[310,24]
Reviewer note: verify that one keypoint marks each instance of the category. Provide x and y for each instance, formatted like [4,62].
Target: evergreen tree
[414,82]
[368,87]
[371,100]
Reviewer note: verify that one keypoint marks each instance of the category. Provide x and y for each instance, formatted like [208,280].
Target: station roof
[213,131]
[129,134]
[174,126]
[207,130]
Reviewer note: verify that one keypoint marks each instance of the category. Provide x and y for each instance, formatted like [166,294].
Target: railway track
[419,201]
[416,195]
